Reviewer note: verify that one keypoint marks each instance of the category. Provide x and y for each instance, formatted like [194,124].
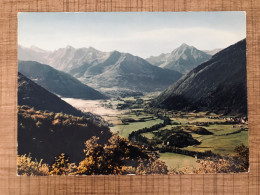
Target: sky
[140,33]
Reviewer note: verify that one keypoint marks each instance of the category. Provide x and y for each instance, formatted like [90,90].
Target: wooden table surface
[215,184]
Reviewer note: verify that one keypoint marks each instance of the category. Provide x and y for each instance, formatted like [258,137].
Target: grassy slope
[221,144]
[178,161]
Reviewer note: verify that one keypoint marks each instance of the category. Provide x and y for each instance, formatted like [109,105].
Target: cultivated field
[213,132]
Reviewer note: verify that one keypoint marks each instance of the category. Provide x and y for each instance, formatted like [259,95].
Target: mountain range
[108,71]
[182,59]
[33,95]
[219,85]
[125,72]
[56,81]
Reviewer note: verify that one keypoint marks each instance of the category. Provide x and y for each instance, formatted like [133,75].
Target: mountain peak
[92,49]
[34,47]
[37,49]
[69,47]
[184,45]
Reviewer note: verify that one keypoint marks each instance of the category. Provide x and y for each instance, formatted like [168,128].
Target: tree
[62,166]
[93,163]
[108,159]
[118,156]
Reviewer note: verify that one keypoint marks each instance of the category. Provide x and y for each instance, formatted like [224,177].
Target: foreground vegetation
[119,156]
[143,140]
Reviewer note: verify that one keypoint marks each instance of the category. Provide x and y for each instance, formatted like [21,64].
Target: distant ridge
[212,52]
[32,53]
[63,59]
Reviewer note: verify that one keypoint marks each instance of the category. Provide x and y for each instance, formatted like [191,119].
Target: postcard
[119,93]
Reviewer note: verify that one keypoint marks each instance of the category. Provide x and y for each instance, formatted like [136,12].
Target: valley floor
[127,115]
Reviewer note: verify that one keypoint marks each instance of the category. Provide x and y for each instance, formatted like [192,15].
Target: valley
[204,133]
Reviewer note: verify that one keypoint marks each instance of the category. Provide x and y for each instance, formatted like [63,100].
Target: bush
[242,156]
[151,167]
[26,166]
[228,164]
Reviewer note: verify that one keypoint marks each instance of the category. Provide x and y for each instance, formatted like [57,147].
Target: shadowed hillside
[46,135]
[33,95]
[57,82]
[218,85]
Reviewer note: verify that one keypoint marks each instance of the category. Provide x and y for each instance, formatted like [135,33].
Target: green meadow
[224,138]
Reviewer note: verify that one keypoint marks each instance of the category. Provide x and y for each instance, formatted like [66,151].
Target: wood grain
[220,184]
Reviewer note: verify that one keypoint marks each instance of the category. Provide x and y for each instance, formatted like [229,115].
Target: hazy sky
[143,33]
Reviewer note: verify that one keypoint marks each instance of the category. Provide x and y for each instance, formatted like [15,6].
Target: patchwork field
[125,130]
[213,132]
